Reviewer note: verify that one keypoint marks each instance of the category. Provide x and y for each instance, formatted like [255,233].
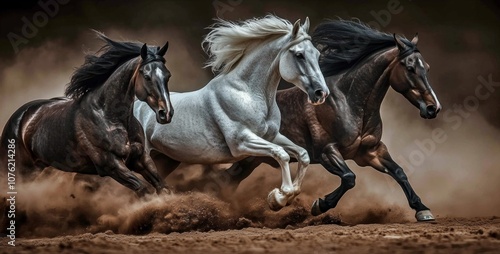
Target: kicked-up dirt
[447,235]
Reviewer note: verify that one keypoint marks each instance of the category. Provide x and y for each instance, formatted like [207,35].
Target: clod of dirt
[495,234]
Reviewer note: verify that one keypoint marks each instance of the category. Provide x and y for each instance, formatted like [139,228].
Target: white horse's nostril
[319,93]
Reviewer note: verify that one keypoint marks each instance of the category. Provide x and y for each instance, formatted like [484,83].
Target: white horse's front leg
[302,157]
[253,145]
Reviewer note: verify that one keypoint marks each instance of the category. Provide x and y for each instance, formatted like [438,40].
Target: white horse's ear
[415,39]
[305,26]
[295,30]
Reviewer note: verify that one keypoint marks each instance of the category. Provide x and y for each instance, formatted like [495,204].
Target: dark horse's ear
[144,51]
[163,50]
[415,39]
[399,43]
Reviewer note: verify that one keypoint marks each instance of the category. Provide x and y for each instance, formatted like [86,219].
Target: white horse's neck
[256,71]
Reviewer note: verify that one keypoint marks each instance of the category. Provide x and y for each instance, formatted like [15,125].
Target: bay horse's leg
[303,160]
[230,179]
[241,170]
[332,160]
[164,164]
[252,145]
[383,162]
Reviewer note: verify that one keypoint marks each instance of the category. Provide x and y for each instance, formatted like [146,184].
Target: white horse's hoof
[424,215]
[276,200]
[315,210]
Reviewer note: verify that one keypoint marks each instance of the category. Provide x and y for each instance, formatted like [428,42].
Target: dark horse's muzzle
[163,117]
[165,113]
[429,111]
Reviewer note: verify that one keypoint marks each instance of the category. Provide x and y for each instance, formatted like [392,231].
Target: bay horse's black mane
[343,43]
[98,67]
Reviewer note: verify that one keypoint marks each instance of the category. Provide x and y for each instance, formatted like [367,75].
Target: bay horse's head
[151,82]
[409,77]
[299,65]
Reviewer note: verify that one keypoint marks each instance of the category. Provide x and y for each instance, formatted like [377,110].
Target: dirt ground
[457,235]
[54,216]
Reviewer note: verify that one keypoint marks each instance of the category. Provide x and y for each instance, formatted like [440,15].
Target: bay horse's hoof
[276,200]
[424,215]
[315,210]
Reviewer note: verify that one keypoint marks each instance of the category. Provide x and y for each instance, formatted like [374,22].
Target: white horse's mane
[227,41]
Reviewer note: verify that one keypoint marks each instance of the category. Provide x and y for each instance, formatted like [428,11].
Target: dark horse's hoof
[424,216]
[315,210]
[164,191]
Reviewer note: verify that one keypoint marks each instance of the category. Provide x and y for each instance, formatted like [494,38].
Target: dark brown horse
[360,64]
[92,130]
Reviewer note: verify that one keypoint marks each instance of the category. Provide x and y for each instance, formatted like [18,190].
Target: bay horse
[235,115]
[92,130]
[359,65]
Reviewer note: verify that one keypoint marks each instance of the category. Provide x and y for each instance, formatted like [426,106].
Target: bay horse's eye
[147,77]
[299,55]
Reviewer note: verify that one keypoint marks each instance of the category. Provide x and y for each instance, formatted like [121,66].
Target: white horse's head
[299,64]
[297,61]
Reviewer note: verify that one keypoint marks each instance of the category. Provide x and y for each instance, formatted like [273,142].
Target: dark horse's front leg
[109,164]
[381,160]
[332,160]
[145,166]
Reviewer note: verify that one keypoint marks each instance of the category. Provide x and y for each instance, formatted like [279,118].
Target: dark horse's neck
[363,88]
[116,96]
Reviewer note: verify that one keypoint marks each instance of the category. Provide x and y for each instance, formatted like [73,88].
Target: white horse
[235,115]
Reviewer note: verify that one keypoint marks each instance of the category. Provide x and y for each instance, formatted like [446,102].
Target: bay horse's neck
[366,86]
[258,70]
[116,96]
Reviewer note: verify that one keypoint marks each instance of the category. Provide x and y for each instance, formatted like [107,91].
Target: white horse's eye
[299,55]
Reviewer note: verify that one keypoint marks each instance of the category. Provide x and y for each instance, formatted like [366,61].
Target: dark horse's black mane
[98,67]
[343,43]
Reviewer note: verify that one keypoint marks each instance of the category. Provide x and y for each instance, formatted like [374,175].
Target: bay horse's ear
[144,51]
[295,29]
[306,24]
[415,39]
[163,50]
[399,43]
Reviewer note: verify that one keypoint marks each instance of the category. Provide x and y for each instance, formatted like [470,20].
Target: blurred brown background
[459,39]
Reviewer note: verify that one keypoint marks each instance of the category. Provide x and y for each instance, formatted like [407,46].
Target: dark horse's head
[409,78]
[151,83]
[149,79]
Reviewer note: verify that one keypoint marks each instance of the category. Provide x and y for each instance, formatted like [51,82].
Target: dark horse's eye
[410,69]
[147,77]
[299,55]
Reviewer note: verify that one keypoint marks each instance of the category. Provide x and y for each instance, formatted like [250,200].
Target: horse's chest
[269,130]
[113,138]
[270,125]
